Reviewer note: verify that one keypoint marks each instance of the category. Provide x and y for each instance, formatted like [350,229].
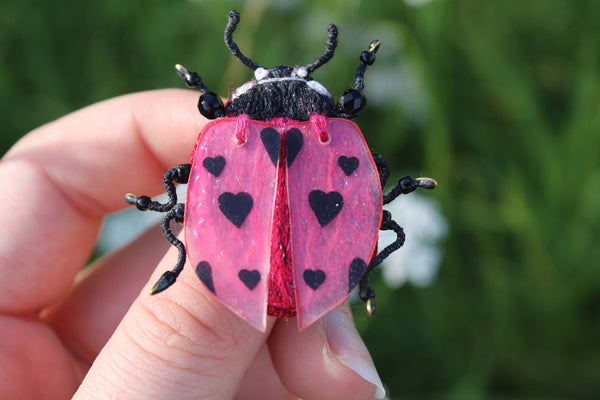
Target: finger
[63,177]
[328,360]
[87,317]
[34,362]
[181,343]
[262,382]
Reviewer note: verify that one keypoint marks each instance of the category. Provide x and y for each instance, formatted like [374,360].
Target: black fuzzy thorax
[287,98]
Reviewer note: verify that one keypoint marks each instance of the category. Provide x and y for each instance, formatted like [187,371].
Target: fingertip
[327,360]
[348,348]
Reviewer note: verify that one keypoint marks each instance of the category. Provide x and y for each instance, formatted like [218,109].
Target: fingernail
[348,347]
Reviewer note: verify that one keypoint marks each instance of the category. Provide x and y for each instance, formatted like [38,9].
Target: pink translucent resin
[297,242]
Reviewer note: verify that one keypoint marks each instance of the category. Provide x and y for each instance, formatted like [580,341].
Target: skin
[97,333]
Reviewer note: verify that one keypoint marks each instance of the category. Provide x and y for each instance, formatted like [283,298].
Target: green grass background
[497,99]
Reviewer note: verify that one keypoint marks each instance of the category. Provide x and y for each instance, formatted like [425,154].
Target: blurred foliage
[498,100]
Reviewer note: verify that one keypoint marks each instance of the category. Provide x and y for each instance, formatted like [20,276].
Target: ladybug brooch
[284,197]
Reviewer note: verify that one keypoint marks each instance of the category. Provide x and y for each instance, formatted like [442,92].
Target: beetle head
[281,91]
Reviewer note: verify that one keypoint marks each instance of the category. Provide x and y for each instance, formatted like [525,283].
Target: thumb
[179,344]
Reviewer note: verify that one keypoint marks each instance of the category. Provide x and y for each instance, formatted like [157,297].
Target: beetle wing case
[334,199]
[228,217]
[335,206]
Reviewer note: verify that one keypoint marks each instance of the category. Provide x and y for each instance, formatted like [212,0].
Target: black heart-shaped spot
[250,278]
[272,141]
[326,206]
[235,207]
[314,278]
[214,165]
[348,165]
[293,143]
[355,273]
[204,272]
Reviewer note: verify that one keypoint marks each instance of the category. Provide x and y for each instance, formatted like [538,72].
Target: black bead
[366,293]
[367,57]
[210,105]
[351,102]
[386,217]
[193,80]
[407,184]
[183,173]
[142,203]
[179,212]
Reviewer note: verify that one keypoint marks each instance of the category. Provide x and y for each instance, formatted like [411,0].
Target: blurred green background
[498,100]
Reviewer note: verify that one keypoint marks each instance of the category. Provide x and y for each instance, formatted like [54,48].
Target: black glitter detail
[235,207]
[348,164]
[326,206]
[355,273]
[314,278]
[249,278]
[271,139]
[204,272]
[293,143]
[214,165]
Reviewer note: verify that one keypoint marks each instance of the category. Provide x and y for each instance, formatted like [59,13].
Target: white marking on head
[261,73]
[242,89]
[317,87]
[300,72]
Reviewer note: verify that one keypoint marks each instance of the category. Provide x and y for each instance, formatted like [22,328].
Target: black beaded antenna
[366,58]
[352,101]
[330,45]
[349,105]
[234,20]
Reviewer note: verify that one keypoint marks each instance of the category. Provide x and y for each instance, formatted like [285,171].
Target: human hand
[97,331]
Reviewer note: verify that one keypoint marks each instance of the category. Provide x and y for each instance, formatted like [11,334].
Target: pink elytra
[282,257]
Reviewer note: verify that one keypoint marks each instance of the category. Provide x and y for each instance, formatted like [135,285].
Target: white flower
[424,225]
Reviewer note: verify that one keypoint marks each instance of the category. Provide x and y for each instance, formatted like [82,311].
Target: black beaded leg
[383,168]
[169,277]
[209,104]
[407,185]
[387,224]
[178,174]
[404,186]
[175,211]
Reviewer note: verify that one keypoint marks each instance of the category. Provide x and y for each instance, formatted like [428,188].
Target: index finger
[63,177]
